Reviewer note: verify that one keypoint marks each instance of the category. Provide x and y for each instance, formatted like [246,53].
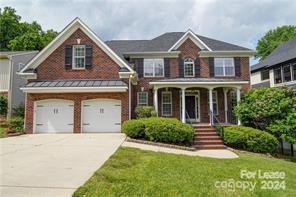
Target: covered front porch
[197,101]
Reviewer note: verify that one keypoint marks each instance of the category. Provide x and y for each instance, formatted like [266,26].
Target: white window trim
[224,75]
[138,99]
[215,93]
[153,74]
[171,103]
[193,67]
[73,57]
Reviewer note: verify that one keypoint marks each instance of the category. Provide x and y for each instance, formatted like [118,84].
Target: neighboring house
[277,69]
[78,83]
[10,82]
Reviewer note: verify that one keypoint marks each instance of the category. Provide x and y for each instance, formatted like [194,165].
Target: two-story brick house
[79,83]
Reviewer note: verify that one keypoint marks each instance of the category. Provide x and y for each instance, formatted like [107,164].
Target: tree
[270,109]
[273,38]
[16,35]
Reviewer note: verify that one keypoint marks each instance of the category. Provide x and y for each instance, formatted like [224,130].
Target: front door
[192,108]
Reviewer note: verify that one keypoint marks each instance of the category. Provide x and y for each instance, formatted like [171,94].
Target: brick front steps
[206,137]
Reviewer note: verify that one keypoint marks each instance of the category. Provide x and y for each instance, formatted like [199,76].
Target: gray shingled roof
[164,42]
[282,53]
[199,80]
[76,83]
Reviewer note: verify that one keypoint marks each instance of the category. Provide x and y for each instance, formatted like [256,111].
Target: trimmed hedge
[250,139]
[167,130]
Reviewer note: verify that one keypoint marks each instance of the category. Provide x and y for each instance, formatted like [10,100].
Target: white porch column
[155,100]
[225,90]
[183,105]
[211,105]
[238,100]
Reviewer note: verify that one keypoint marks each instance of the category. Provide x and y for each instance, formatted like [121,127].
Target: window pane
[287,73]
[277,75]
[264,75]
[142,98]
[228,62]
[158,66]
[218,62]
[218,71]
[188,70]
[229,71]
[166,109]
[148,67]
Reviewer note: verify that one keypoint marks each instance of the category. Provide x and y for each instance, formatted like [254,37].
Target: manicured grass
[133,172]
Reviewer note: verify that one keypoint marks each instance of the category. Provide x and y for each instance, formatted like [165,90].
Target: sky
[241,22]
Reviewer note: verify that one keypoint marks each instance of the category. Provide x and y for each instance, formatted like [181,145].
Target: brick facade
[190,50]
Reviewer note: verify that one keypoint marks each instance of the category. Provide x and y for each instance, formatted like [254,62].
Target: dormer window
[188,67]
[78,57]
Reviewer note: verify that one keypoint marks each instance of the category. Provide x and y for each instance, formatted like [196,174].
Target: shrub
[250,139]
[167,130]
[3,105]
[134,128]
[19,111]
[16,124]
[145,112]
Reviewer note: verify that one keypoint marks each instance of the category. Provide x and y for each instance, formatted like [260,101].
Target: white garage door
[54,116]
[101,115]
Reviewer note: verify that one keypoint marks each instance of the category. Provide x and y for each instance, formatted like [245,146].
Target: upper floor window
[153,68]
[142,98]
[78,57]
[224,66]
[264,75]
[285,73]
[188,67]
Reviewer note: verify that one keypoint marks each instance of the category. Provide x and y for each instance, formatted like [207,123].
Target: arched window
[188,67]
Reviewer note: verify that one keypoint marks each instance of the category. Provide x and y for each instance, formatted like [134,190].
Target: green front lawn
[133,172]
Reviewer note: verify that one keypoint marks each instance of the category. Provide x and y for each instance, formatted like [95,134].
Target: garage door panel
[54,116]
[101,116]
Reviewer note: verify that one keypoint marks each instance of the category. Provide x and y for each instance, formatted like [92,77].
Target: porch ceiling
[198,82]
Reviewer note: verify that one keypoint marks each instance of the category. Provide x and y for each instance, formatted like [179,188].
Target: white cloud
[238,21]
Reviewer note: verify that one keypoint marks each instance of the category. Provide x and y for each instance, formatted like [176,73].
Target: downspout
[129,98]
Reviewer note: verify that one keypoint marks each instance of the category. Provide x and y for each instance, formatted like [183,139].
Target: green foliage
[134,128]
[250,139]
[19,111]
[145,112]
[273,39]
[168,130]
[3,105]
[271,110]
[17,35]
[16,124]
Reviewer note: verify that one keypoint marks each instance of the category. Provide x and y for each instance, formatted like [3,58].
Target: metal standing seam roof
[76,83]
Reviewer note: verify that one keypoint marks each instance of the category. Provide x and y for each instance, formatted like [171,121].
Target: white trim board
[189,34]
[72,89]
[65,34]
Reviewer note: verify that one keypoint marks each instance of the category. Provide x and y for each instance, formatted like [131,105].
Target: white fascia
[190,34]
[72,89]
[246,53]
[198,83]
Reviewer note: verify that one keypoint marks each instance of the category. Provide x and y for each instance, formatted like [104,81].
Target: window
[166,104]
[287,73]
[277,75]
[224,66]
[188,67]
[264,75]
[78,57]
[215,102]
[153,68]
[142,98]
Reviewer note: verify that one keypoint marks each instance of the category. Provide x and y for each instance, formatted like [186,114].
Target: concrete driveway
[52,164]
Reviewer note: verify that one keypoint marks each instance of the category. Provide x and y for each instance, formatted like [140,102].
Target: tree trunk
[292,150]
[282,147]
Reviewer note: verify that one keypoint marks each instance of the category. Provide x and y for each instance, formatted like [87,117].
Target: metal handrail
[213,118]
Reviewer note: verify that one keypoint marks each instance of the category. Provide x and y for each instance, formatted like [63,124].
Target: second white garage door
[101,115]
